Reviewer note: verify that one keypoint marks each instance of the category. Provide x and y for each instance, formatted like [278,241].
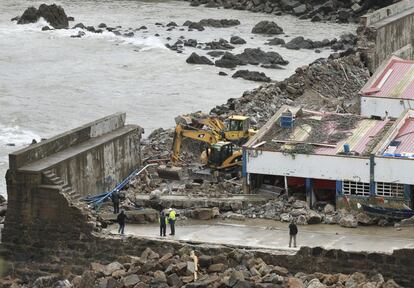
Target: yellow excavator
[224,151]
[219,155]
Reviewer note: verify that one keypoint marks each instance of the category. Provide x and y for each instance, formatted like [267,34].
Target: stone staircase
[66,189]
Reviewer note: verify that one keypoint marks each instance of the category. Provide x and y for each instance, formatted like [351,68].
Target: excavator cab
[221,153]
[238,128]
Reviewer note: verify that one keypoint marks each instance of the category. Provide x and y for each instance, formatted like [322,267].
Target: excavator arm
[196,134]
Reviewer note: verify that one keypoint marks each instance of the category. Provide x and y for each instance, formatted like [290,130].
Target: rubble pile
[326,85]
[186,268]
[287,210]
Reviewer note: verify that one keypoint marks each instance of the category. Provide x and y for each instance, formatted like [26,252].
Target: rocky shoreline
[327,10]
[327,84]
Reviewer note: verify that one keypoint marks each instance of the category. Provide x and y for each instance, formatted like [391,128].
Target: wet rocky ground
[187,268]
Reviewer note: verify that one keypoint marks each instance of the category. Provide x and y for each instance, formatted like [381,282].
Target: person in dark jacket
[293,231]
[115,201]
[121,221]
[163,224]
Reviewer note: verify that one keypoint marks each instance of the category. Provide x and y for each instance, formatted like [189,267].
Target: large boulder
[348,221]
[55,15]
[237,40]
[251,76]
[267,27]
[313,217]
[300,43]
[275,41]
[365,219]
[202,213]
[219,23]
[228,60]
[29,16]
[407,222]
[255,56]
[329,209]
[197,59]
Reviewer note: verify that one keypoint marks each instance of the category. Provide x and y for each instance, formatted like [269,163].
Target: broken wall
[385,32]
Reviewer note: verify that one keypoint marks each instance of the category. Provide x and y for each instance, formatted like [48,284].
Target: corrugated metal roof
[406,137]
[396,80]
[359,137]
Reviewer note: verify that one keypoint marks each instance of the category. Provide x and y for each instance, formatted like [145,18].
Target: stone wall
[385,32]
[105,249]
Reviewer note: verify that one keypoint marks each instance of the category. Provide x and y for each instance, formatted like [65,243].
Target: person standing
[115,201]
[163,224]
[293,231]
[121,221]
[171,220]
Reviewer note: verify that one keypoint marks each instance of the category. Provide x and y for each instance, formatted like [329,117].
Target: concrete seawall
[387,31]
[46,180]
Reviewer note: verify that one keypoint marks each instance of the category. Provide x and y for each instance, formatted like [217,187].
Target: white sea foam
[142,42]
[16,135]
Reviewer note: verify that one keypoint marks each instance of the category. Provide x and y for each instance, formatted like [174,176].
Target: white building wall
[308,166]
[394,170]
[376,106]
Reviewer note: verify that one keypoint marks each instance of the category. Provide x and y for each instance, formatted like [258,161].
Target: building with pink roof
[342,159]
[390,90]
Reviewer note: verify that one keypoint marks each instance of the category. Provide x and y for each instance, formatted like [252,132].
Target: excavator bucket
[169,173]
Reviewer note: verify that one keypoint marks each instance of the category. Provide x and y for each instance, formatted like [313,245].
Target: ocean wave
[142,42]
[17,136]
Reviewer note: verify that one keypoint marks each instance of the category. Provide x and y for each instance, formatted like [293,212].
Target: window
[355,188]
[389,189]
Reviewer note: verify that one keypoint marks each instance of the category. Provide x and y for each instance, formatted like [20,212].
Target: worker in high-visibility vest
[171,220]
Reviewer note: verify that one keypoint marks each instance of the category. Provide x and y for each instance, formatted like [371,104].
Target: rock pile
[189,269]
[53,14]
[316,10]
[346,41]
[326,84]
[267,27]
[253,56]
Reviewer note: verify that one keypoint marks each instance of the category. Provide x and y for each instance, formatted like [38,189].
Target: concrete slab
[330,237]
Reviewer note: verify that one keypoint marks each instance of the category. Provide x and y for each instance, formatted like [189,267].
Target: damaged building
[390,90]
[342,159]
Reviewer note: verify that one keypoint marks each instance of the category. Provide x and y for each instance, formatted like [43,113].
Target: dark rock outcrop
[197,59]
[251,75]
[219,23]
[255,56]
[55,15]
[237,40]
[222,44]
[275,41]
[215,54]
[228,60]
[267,27]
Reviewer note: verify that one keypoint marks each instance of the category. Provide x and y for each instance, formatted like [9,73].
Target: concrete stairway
[66,189]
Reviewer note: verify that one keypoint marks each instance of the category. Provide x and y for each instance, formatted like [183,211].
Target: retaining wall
[387,31]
